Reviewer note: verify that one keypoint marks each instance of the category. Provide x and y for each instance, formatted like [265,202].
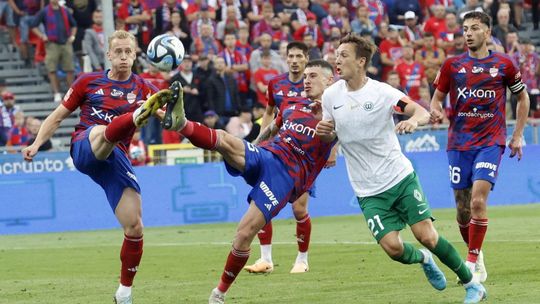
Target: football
[165,52]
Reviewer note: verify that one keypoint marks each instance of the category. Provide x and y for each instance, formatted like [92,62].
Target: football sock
[130,255]
[120,128]
[303,233]
[464,230]
[123,291]
[265,238]
[451,258]
[302,257]
[235,262]
[266,253]
[200,135]
[411,255]
[477,232]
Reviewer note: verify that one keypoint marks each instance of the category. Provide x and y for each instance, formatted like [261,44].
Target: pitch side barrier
[204,193]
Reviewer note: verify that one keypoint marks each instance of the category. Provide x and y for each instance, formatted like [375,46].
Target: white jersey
[365,129]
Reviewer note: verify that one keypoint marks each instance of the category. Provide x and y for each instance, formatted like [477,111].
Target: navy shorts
[113,174]
[272,185]
[468,166]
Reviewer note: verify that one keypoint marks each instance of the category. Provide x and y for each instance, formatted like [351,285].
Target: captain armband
[517,87]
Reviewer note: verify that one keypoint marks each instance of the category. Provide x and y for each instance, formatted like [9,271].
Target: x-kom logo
[475,93]
[102,115]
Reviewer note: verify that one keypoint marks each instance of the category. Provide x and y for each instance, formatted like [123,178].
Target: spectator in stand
[60,29]
[458,46]
[237,66]
[332,43]
[381,34]
[205,44]
[222,6]
[362,22]
[445,40]
[512,43]
[437,22]
[285,9]
[411,74]
[192,103]
[241,125]
[257,113]
[264,25]
[164,15]
[222,92]
[82,11]
[18,134]
[335,19]
[391,51]
[312,28]
[137,151]
[282,32]
[377,11]
[471,5]
[299,17]
[431,57]
[194,11]
[205,18]
[24,13]
[255,10]
[535,7]
[201,75]
[411,31]
[528,62]
[230,24]
[262,77]
[94,42]
[243,44]
[255,60]
[178,29]
[399,8]
[33,125]
[151,132]
[503,25]
[138,19]
[314,52]
[8,109]
[374,70]
[211,120]
[6,13]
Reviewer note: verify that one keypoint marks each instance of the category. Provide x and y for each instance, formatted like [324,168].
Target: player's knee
[243,238]
[134,228]
[299,211]
[393,250]
[478,204]
[428,239]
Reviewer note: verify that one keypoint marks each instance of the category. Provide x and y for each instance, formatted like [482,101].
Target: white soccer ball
[165,52]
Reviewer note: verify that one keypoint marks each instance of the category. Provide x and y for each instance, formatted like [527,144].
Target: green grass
[182,264]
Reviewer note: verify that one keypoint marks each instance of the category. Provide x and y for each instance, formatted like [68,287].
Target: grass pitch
[182,264]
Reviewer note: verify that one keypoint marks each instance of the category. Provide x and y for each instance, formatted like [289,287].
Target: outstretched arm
[418,116]
[267,133]
[49,126]
[522,112]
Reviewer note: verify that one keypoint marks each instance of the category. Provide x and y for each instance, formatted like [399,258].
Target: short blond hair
[121,34]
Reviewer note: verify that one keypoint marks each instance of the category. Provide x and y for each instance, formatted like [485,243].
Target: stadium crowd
[234,47]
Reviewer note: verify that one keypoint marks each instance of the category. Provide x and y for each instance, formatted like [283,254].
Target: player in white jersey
[358,110]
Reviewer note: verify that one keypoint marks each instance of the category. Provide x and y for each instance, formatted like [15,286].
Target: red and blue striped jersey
[102,99]
[478,98]
[296,145]
[281,87]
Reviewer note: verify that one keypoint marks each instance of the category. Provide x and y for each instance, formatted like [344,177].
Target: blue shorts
[113,174]
[469,166]
[272,185]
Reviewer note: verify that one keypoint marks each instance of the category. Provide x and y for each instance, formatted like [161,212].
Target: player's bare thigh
[232,149]
[100,147]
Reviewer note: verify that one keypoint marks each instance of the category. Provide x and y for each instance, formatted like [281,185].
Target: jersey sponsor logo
[486,165]
[493,72]
[131,97]
[337,107]
[368,106]
[292,94]
[477,70]
[475,93]
[102,115]
[99,92]
[298,127]
[269,194]
[417,195]
[475,114]
[117,93]
[462,71]
[426,143]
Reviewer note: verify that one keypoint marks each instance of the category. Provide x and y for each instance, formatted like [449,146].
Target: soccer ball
[165,52]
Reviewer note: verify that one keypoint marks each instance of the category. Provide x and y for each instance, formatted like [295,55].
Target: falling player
[279,169]
[359,111]
[110,113]
[477,81]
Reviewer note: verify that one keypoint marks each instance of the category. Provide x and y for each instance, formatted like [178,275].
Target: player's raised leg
[303,233]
